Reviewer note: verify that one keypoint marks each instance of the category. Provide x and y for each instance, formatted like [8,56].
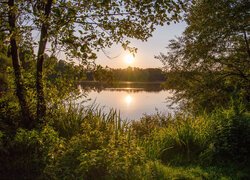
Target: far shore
[124,82]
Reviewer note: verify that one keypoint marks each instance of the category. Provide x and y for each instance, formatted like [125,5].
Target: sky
[144,57]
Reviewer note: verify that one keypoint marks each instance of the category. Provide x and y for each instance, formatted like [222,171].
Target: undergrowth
[78,143]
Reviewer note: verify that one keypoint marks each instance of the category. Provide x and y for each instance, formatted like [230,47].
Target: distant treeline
[129,74]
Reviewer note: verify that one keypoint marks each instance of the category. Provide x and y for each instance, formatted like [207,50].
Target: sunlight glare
[129,58]
[128,99]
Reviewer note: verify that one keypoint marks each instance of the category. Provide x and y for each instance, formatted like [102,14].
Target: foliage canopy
[210,62]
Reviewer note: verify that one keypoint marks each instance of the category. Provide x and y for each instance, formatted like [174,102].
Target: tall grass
[157,170]
[67,120]
[221,137]
[179,141]
[96,145]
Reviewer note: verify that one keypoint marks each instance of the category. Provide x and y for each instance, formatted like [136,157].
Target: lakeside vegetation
[41,137]
[89,144]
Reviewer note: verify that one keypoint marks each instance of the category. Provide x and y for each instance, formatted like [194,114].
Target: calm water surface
[130,99]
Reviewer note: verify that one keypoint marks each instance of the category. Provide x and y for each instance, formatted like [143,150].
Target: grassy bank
[88,144]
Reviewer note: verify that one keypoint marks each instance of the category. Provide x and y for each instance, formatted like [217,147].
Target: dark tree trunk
[26,120]
[247,44]
[41,104]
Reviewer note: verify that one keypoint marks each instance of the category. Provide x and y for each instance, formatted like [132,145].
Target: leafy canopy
[79,27]
[210,62]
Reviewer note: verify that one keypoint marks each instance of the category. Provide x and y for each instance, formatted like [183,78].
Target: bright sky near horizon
[144,57]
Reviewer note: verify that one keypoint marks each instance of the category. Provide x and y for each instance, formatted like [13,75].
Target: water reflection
[131,101]
[128,99]
[122,86]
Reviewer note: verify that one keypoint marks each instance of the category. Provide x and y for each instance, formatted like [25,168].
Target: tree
[212,56]
[79,28]
[20,89]
[104,75]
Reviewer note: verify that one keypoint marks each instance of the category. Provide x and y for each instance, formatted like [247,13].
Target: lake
[132,100]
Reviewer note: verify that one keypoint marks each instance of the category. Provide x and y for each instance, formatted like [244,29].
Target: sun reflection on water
[128,99]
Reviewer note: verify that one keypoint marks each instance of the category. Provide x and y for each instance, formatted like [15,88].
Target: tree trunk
[41,104]
[26,120]
[247,44]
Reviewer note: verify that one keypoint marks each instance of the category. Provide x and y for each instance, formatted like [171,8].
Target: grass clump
[222,137]
[96,146]
[160,171]
[179,141]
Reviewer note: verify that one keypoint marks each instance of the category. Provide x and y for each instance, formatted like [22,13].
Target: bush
[231,137]
[9,112]
[26,154]
[149,123]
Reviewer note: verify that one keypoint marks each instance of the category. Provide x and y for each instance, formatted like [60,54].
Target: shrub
[26,154]
[231,137]
[149,123]
[9,112]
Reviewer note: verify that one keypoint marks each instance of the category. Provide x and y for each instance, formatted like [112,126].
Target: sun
[129,58]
